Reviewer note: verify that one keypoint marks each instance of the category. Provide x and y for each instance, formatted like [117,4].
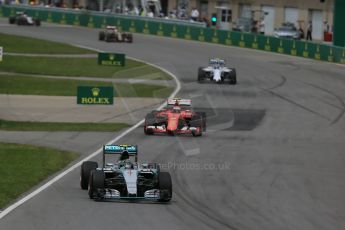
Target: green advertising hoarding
[339,19]
[95,95]
[89,19]
[111,59]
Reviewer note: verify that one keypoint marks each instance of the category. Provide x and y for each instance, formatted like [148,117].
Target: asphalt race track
[272,157]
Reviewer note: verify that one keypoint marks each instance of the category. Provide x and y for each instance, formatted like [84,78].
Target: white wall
[269,18]
[291,15]
[317,21]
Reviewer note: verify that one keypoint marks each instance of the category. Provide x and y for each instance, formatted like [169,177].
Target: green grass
[19,44]
[23,166]
[63,87]
[86,67]
[60,126]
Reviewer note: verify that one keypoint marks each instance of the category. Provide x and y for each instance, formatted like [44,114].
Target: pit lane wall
[195,32]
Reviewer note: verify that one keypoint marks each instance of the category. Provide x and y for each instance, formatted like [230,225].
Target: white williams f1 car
[21,18]
[125,179]
[217,71]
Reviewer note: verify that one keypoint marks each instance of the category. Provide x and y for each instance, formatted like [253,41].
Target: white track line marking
[73,167]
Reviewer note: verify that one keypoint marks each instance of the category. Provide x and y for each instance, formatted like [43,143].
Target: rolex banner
[95,95]
[111,59]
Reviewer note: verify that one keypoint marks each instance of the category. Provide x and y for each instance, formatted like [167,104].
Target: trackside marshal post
[95,95]
[111,59]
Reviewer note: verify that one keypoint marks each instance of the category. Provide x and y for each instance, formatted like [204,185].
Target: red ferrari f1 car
[176,118]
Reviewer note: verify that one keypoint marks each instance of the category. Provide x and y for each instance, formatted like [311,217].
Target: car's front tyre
[108,37]
[201,75]
[96,183]
[85,170]
[233,77]
[165,186]
[101,36]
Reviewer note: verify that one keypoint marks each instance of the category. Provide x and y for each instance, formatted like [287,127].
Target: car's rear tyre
[129,38]
[197,134]
[85,170]
[20,22]
[96,182]
[149,121]
[165,186]
[37,22]
[101,35]
[203,116]
[197,122]
[148,131]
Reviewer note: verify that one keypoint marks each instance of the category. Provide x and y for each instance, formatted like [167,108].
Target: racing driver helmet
[176,109]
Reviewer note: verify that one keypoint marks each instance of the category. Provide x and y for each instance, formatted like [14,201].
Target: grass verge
[23,166]
[61,126]
[66,87]
[86,67]
[19,44]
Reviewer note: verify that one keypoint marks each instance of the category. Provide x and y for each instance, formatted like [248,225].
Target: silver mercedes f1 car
[218,72]
[125,179]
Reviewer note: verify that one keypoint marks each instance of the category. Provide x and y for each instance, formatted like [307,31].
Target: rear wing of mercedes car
[131,150]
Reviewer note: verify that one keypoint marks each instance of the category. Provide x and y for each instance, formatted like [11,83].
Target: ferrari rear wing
[179,101]
[131,150]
